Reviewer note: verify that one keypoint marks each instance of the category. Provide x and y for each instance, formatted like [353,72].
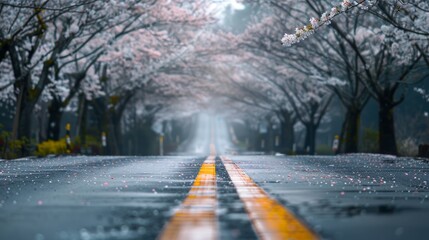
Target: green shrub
[51,147]
[10,149]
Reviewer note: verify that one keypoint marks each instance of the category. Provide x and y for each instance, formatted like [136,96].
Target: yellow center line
[269,218]
[196,217]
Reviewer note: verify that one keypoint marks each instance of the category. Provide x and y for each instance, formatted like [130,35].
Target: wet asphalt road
[343,197]
[106,198]
[92,197]
[349,197]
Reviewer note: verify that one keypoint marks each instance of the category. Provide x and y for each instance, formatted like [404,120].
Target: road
[210,194]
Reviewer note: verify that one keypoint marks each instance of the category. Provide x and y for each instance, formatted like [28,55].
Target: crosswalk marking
[269,218]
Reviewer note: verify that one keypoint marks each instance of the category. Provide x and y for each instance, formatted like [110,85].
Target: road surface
[204,193]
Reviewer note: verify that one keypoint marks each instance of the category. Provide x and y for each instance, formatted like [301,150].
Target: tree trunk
[83,120]
[287,134]
[111,136]
[22,124]
[310,138]
[342,133]
[27,100]
[269,142]
[23,111]
[25,121]
[54,121]
[116,113]
[116,120]
[103,123]
[17,116]
[386,129]
[352,131]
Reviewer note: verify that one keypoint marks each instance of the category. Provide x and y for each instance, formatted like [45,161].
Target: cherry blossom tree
[24,25]
[377,65]
[58,31]
[60,59]
[384,71]
[325,57]
[76,67]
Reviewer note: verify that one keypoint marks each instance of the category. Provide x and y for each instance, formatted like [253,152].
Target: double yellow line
[196,217]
